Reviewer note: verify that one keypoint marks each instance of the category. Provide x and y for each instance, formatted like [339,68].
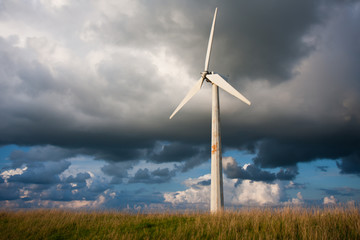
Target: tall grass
[282,223]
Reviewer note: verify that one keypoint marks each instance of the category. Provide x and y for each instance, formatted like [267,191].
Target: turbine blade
[208,52]
[189,95]
[221,82]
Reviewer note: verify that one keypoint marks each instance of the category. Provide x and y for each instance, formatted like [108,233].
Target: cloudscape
[87,88]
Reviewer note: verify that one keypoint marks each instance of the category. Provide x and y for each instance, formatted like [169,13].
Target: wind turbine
[217,196]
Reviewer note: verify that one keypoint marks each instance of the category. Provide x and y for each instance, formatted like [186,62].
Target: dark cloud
[204,183]
[275,153]
[265,40]
[350,164]
[322,168]
[65,191]
[196,160]
[69,192]
[9,191]
[174,152]
[287,174]
[62,193]
[259,40]
[79,178]
[104,82]
[39,154]
[188,155]
[41,173]
[118,170]
[41,179]
[199,185]
[98,186]
[150,177]
[342,191]
[34,193]
[252,172]
[79,181]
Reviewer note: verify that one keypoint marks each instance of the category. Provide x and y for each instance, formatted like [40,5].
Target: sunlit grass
[281,223]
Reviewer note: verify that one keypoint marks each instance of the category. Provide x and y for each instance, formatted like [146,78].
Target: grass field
[282,223]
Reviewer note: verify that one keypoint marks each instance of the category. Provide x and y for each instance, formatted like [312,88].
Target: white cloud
[256,193]
[8,173]
[296,201]
[330,200]
[55,3]
[228,162]
[246,193]
[196,193]
[24,193]
[290,185]
[193,181]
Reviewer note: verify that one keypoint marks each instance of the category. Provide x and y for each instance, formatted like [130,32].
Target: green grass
[283,223]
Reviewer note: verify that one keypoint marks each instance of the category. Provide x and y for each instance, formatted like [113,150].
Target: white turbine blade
[190,94]
[221,82]
[208,52]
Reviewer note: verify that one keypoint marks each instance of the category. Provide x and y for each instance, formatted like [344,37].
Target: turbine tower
[217,196]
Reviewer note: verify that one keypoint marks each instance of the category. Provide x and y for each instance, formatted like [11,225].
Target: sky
[87,88]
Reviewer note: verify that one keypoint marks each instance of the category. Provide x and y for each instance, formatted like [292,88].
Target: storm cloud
[43,181]
[350,164]
[252,172]
[104,81]
[151,177]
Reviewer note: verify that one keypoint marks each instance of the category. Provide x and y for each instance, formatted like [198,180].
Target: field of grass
[283,223]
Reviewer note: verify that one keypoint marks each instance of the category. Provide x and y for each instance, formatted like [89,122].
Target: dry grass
[283,223]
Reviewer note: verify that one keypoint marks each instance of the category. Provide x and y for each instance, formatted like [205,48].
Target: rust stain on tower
[214,148]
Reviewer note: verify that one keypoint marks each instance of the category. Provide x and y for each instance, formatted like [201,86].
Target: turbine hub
[203,74]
